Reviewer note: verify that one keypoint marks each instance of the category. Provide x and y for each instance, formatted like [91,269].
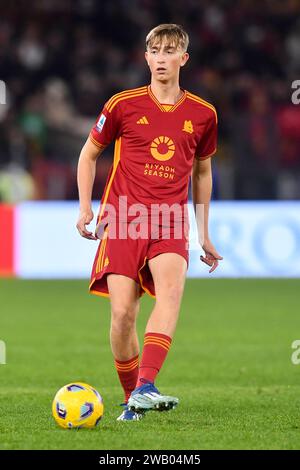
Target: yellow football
[77,405]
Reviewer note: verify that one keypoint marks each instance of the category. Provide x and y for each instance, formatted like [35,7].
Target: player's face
[164,60]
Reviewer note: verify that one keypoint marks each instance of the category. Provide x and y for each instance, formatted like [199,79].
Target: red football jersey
[155,146]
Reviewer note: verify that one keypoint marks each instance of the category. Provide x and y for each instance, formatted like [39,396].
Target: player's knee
[123,318]
[170,295]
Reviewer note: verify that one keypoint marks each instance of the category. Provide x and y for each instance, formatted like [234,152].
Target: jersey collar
[160,106]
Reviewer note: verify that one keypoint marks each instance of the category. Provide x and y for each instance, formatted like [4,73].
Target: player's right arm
[107,128]
[85,179]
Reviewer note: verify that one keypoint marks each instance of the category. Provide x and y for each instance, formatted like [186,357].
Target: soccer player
[163,134]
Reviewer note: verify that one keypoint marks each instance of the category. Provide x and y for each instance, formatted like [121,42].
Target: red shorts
[129,257]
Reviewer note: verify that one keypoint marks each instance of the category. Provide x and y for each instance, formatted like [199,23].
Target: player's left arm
[201,190]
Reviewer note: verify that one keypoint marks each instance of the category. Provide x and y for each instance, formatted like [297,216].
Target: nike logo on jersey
[143,120]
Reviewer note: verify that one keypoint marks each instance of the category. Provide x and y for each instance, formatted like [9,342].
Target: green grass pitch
[230,365]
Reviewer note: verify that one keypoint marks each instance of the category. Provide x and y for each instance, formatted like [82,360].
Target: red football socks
[156,347]
[128,373]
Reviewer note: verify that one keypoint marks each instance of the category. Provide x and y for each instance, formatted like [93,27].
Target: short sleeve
[207,145]
[107,127]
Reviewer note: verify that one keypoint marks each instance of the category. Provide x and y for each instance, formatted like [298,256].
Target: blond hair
[173,33]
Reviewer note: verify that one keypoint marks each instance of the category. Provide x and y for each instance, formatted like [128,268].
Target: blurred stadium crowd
[62,59]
